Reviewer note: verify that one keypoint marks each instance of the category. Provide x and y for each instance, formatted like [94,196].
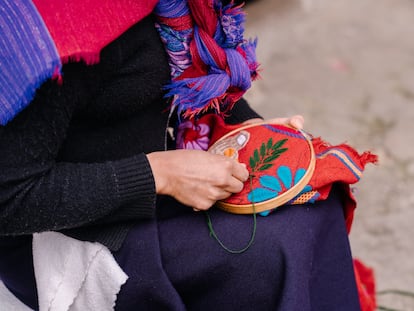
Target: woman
[86,156]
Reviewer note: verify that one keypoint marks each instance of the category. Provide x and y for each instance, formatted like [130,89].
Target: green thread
[381,308]
[214,235]
[396,292]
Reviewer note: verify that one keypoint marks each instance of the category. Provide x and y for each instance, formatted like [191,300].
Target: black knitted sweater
[75,160]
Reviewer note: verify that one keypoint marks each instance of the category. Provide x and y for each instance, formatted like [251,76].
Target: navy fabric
[16,268]
[300,260]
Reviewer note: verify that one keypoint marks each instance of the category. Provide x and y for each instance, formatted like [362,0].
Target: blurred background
[348,67]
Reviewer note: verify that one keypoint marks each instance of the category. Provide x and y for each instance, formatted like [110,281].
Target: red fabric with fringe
[340,164]
[334,164]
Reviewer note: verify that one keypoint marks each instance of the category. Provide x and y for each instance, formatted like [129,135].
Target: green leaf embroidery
[270,143]
[262,150]
[252,162]
[279,144]
[256,156]
[265,167]
[262,158]
[271,158]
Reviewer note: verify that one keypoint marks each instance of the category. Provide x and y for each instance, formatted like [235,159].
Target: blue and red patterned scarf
[211,63]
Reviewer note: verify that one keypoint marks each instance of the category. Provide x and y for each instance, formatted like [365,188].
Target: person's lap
[300,260]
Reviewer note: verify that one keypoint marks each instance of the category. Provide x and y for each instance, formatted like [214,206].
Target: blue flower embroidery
[273,185]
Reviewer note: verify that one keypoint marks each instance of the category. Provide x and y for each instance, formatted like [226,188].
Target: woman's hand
[196,178]
[296,121]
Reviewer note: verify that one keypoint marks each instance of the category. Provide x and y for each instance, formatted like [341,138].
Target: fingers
[212,197]
[296,121]
[253,121]
[239,171]
[229,178]
[234,186]
[233,178]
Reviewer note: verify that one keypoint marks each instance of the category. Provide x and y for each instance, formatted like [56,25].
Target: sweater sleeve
[241,112]
[38,193]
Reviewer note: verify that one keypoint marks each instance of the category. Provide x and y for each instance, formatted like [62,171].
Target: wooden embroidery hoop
[258,207]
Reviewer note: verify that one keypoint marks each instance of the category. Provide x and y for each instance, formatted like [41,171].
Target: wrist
[159,171]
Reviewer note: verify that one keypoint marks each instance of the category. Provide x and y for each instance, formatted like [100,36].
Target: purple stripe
[287,133]
[201,92]
[172,9]
[28,56]
[203,50]
[239,71]
[354,170]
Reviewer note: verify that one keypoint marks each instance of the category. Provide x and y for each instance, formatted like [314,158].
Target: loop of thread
[214,235]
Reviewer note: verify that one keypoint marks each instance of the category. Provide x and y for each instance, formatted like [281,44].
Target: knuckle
[203,204]
[237,187]
[214,194]
[227,164]
[240,186]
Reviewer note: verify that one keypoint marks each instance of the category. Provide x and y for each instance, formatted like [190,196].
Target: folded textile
[74,275]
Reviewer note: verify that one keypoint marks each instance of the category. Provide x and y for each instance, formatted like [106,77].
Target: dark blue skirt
[300,260]
[16,268]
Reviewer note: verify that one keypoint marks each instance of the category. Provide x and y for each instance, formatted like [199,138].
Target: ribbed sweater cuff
[135,184]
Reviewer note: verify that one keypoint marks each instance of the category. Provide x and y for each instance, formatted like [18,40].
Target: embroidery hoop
[286,196]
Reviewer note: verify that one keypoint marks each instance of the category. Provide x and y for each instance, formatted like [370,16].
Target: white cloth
[72,275]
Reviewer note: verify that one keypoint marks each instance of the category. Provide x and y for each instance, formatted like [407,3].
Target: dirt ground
[348,67]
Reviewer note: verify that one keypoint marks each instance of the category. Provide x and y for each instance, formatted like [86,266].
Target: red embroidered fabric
[280,161]
[334,164]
